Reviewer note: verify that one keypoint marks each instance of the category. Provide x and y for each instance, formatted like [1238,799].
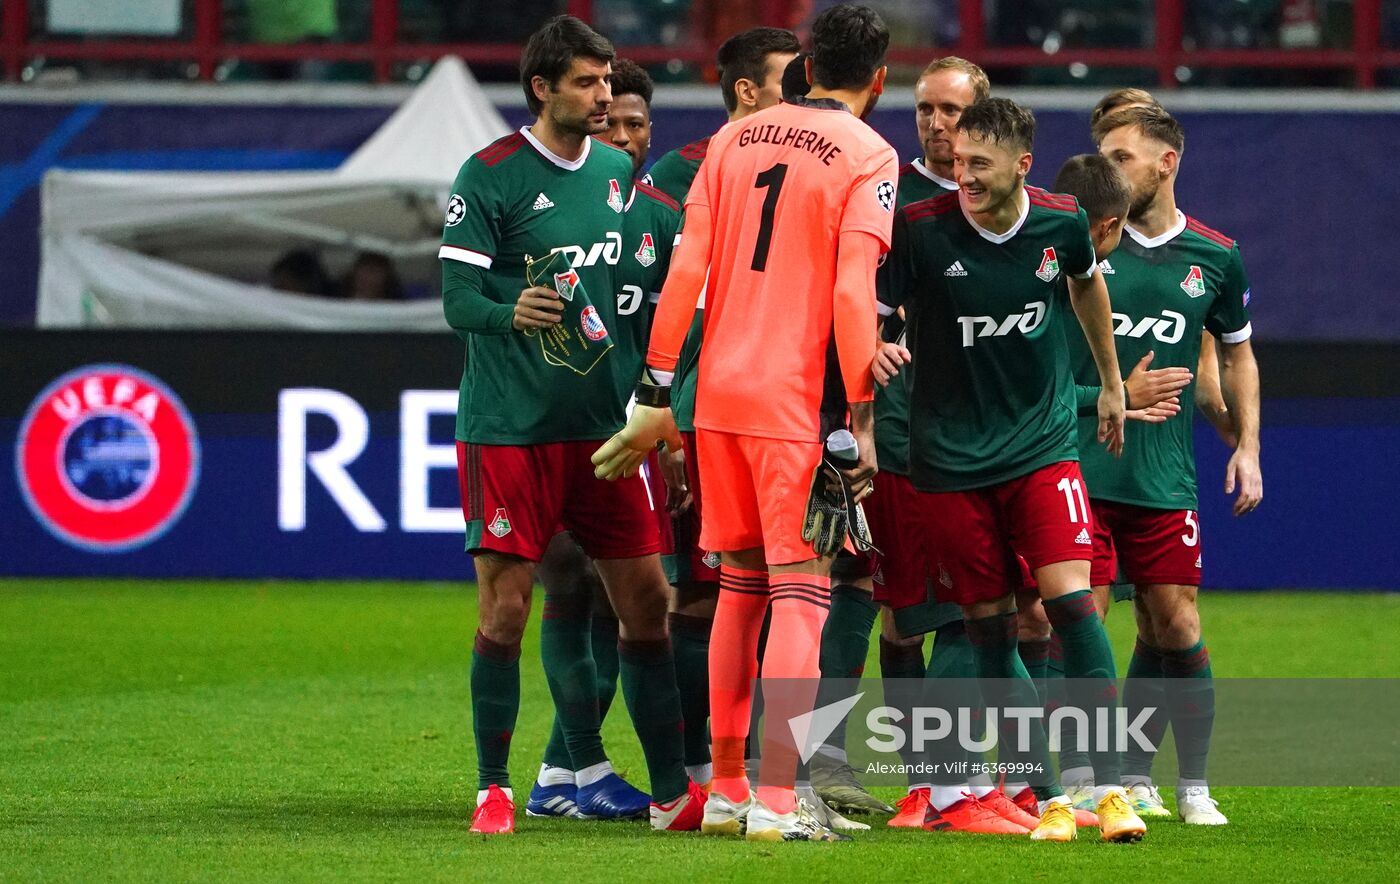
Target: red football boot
[1004,807]
[495,815]
[970,815]
[684,814]
[912,809]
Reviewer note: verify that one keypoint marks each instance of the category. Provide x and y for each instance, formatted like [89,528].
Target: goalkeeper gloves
[833,513]
[651,422]
[827,518]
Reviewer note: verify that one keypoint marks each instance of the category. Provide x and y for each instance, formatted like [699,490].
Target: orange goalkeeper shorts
[755,491]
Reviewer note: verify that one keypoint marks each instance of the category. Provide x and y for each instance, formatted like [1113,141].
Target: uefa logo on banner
[107,458]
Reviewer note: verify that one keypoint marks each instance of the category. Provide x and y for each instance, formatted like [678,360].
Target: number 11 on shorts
[1072,489]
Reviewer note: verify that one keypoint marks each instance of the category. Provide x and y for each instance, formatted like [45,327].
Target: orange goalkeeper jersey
[781,187]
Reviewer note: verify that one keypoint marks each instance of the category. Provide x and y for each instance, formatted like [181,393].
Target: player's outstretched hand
[537,307]
[1155,414]
[1146,387]
[678,496]
[1243,470]
[1111,420]
[888,359]
[622,455]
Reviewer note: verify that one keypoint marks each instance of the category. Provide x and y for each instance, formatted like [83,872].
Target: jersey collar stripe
[999,238]
[566,165]
[1154,242]
[944,183]
[1238,337]
[466,256]
[1214,236]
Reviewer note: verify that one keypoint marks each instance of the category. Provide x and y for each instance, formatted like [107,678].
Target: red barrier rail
[207,47]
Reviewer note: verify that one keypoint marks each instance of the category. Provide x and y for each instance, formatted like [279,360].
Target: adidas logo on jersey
[1106,268]
[1198,561]
[955,270]
[542,202]
[1083,537]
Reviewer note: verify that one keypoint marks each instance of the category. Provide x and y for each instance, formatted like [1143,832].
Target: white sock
[1058,799]
[1101,792]
[913,787]
[1130,780]
[700,773]
[554,776]
[1016,787]
[1077,778]
[481,795]
[981,784]
[944,797]
[593,773]
[1183,785]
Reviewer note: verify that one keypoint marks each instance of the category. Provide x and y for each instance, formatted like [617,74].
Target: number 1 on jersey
[772,179]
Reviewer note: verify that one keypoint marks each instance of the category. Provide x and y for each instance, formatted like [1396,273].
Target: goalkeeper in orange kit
[789,213]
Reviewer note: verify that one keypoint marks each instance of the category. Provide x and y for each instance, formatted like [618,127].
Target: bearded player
[789,214]
[525,428]
[577,614]
[1173,277]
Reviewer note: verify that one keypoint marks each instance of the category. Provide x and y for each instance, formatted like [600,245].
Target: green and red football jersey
[1164,291]
[916,183]
[991,390]
[511,202]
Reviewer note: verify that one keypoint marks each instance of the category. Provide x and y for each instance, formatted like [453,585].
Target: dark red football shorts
[1043,516]
[516,497]
[1151,545]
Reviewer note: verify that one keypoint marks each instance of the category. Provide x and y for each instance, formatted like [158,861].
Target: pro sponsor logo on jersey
[107,458]
[615,196]
[456,210]
[646,253]
[564,283]
[500,524]
[1049,266]
[609,251]
[884,192]
[593,324]
[1194,285]
[1167,328]
[974,327]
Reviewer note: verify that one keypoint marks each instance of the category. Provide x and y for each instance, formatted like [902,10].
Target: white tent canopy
[193,250]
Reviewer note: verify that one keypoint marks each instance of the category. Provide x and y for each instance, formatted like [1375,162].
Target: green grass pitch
[312,731]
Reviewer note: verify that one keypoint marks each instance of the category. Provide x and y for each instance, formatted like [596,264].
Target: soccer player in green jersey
[993,440]
[526,428]
[1171,277]
[938,800]
[577,612]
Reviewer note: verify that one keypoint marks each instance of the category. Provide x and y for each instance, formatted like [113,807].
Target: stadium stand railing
[1361,54]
